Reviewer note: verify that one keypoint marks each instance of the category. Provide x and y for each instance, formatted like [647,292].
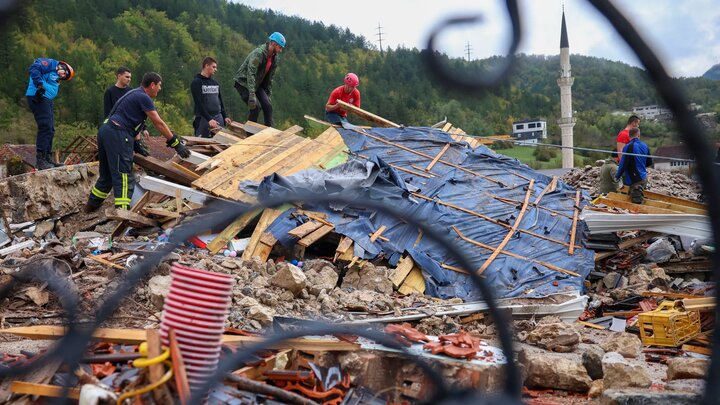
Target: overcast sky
[686,34]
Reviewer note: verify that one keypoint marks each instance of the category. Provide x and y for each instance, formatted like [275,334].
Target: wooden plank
[315,235]
[231,230]
[178,365]
[377,233]
[511,232]
[43,390]
[168,188]
[639,208]
[367,116]
[199,140]
[187,172]
[226,138]
[268,216]
[668,198]
[295,129]
[446,127]
[590,325]
[316,120]
[697,349]
[681,209]
[344,250]
[156,371]
[453,268]
[137,336]
[255,372]
[164,168]
[126,215]
[268,238]
[304,229]
[105,262]
[415,282]
[404,266]
[120,228]
[437,157]
[16,247]
[161,212]
[573,230]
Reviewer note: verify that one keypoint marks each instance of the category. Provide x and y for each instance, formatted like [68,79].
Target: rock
[158,289]
[592,360]
[611,279]
[636,396]
[687,368]
[262,314]
[596,389]
[259,281]
[549,370]
[289,277]
[247,302]
[560,337]
[624,343]
[322,278]
[369,278]
[43,228]
[620,373]
[229,264]
[696,386]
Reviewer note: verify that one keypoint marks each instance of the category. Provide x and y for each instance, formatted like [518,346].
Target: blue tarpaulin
[473,193]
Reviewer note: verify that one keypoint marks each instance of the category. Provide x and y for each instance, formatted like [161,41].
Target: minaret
[565,81]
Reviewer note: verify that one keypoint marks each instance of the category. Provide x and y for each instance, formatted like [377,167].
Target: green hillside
[96,36]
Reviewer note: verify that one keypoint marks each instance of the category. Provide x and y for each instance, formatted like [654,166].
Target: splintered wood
[267,152]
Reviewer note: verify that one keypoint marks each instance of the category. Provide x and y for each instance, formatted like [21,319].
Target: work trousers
[45,119]
[115,154]
[334,118]
[202,127]
[636,191]
[263,102]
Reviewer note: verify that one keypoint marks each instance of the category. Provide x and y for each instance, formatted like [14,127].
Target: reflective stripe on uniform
[124,191]
[99,194]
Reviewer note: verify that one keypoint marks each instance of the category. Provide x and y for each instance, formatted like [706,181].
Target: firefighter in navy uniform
[115,142]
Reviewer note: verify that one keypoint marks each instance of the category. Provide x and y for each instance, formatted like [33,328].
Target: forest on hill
[171,37]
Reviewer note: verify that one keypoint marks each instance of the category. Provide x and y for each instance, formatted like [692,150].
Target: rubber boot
[92,205]
[49,158]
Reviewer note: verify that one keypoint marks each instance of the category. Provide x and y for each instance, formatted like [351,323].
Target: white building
[652,112]
[675,152]
[529,131]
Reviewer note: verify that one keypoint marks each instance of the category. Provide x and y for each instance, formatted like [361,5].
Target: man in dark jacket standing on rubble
[253,80]
[633,168]
[209,107]
[115,142]
[42,89]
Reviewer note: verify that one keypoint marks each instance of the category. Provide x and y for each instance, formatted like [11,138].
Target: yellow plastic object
[144,362]
[668,325]
[165,378]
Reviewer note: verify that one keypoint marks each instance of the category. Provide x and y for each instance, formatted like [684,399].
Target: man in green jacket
[253,80]
[607,181]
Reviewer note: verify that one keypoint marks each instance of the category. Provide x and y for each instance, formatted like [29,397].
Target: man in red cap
[347,93]
[41,91]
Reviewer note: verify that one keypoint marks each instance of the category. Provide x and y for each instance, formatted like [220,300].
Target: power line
[379,35]
[468,48]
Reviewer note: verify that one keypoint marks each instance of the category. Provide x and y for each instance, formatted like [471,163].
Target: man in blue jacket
[42,89]
[633,168]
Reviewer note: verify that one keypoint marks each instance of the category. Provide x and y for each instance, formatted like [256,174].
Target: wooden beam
[437,157]
[639,208]
[511,232]
[377,233]
[668,198]
[404,266]
[168,188]
[185,171]
[414,282]
[367,116]
[178,365]
[120,228]
[137,336]
[315,235]
[304,229]
[344,247]
[453,268]
[164,168]
[316,120]
[43,390]
[131,217]
[161,212]
[680,209]
[231,230]
[105,262]
[295,129]
[517,256]
[268,216]
[573,230]
[156,371]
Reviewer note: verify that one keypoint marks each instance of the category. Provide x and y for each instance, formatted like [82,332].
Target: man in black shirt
[117,90]
[209,107]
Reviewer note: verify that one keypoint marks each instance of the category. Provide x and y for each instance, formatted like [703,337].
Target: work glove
[252,101]
[179,147]
[39,93]
[140,148]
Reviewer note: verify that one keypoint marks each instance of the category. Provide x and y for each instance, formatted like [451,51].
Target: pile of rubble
[659,181]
